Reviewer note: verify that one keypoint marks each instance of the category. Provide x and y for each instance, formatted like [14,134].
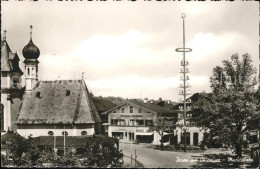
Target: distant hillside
[120,100]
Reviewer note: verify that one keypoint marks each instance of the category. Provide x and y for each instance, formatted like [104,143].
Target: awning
[144,134]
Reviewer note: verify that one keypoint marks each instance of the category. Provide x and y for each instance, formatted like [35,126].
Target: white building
[131,121]
[43,108]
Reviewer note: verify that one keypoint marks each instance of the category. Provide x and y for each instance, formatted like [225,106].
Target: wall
[42,130]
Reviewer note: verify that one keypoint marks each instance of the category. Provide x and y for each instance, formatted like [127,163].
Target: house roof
[103,105]
[152,107]
[9,60]
[52,106]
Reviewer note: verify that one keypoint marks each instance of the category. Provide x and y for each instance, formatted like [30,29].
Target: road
[152,158]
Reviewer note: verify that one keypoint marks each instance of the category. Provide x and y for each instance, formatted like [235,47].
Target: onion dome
[31,51]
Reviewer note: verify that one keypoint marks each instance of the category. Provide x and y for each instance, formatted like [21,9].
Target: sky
[127,49]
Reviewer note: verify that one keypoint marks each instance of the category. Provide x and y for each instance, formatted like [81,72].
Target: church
[43,108]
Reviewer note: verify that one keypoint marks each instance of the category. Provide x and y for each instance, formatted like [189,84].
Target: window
[64,132]
[131,122]
[67,92]
[140,122]
[15,81]
[38,94]
[114,121]
[32,71]
[139,110]
[122,121]
[148,112]
[114,111]
[28,71]
[83,133]
[50,133]
[131,109]
[122,110]
[148,122]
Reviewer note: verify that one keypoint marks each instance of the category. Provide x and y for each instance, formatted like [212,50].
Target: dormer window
[38,94]
[67,92]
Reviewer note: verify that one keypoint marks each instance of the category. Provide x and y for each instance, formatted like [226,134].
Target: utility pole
[185,78]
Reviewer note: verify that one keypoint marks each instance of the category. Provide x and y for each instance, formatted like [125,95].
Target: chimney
[160,99]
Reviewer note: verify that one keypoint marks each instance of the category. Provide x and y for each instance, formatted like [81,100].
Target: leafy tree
[161,125]
[102,152]
[232,103]
[23,151]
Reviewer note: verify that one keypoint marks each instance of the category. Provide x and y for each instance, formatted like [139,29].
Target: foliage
[161,125]
[102,152]
[23,151]
[4,160]
[232,103]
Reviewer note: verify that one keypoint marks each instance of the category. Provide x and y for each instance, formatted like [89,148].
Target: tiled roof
[53,106]
[153,107]
[5,50]
[102,104]
[165,111]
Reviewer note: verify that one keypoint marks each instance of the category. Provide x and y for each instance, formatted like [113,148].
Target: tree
[232,103]
[161,125]
[102,152]
[23,151]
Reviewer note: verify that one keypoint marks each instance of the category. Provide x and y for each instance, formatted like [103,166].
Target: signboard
[131,116]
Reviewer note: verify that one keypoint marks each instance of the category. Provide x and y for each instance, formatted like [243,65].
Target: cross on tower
[31,32]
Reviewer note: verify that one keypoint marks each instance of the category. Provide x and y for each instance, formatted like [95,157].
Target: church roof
[9,60]
[58,102]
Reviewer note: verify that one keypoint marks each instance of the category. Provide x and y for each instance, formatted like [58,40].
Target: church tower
[11,88]
[31,54]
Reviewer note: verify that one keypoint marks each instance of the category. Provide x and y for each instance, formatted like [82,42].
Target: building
[131,121]
[194,134]
[43,108]
[11,88]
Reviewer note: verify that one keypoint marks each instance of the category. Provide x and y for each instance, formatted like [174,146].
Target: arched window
[64,132]
[32,71]
[50,133]
[122,110]
[28,71]
[131,109]
[139,110]
[83,133]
